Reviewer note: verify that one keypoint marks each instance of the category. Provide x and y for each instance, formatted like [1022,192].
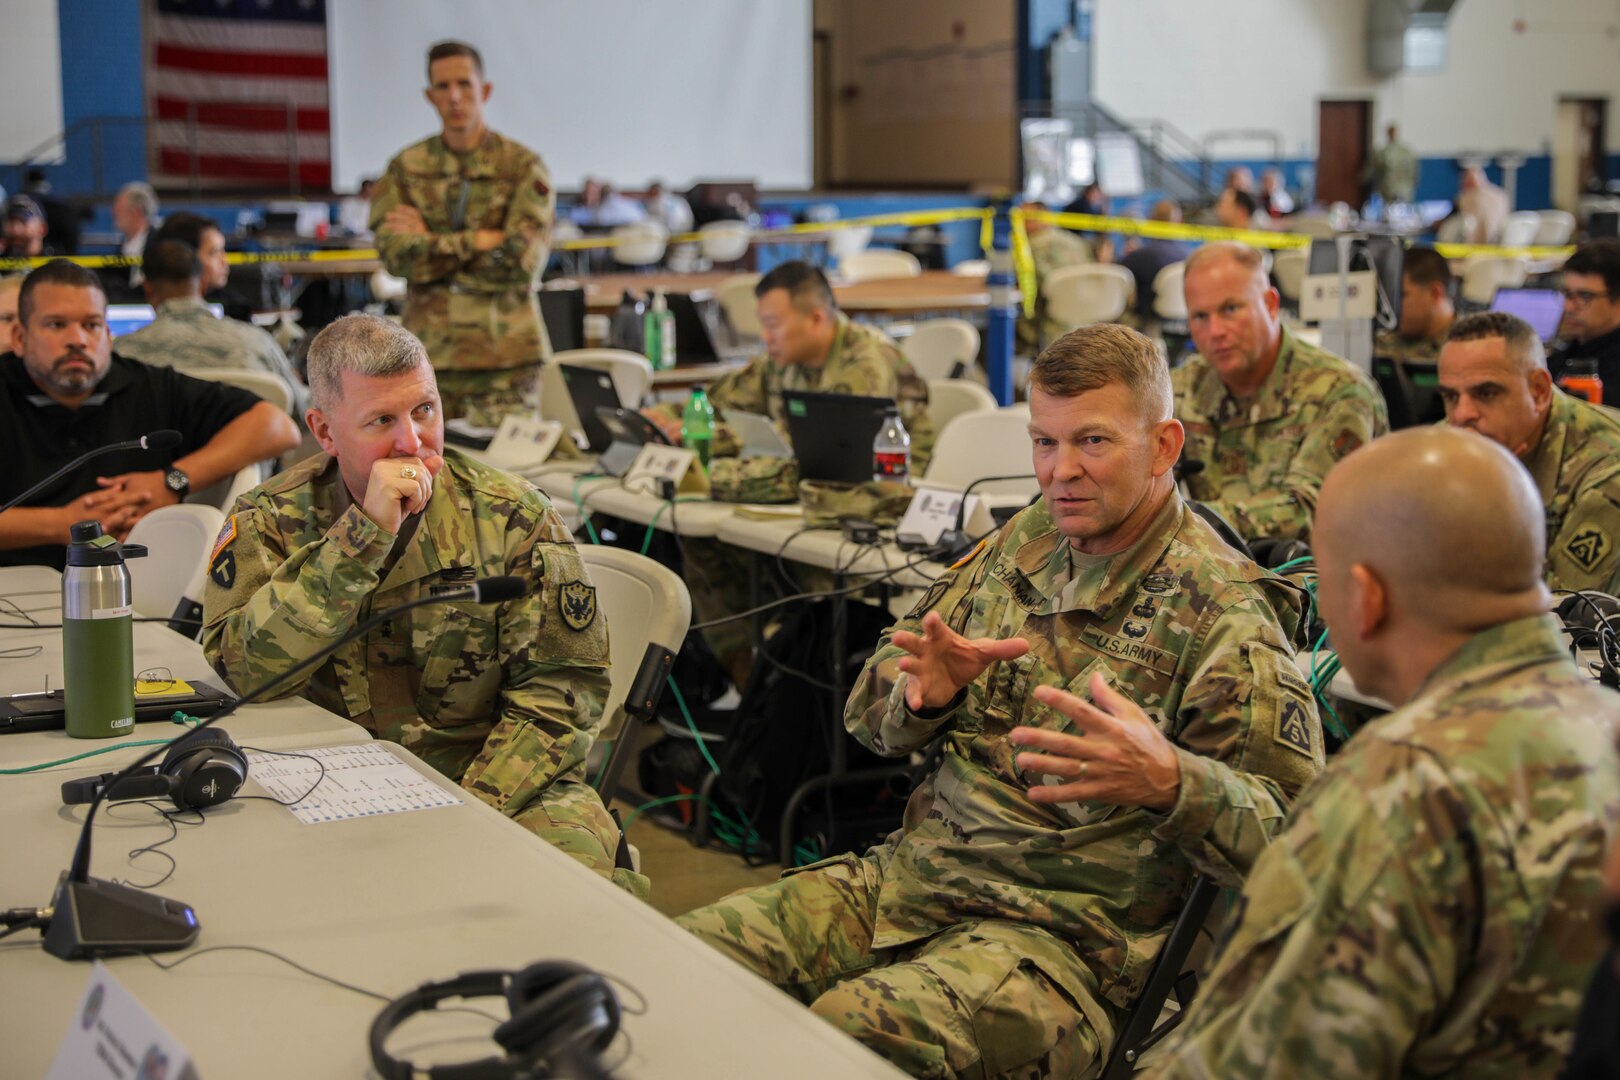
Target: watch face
[177,481]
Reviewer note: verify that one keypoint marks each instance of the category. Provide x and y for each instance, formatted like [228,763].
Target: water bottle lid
[90,547]
[83,532]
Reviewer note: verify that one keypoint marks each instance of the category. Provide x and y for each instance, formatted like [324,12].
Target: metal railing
[1172,161]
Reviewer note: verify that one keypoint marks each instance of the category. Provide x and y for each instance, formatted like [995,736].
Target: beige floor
[686,877]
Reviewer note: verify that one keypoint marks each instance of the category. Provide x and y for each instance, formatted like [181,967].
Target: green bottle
[697,425]
[98,648]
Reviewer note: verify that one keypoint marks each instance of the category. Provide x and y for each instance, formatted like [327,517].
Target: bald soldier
[1494,380]
[1434,907]
[1006,926]
[503,699]
[465,218]
[1266,414]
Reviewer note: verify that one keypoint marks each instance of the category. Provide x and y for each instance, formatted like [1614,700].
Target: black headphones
[202,768]
[560,1013]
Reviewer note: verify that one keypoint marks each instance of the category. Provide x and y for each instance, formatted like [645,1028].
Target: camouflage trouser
[984,998]
[486,397]
[569,816]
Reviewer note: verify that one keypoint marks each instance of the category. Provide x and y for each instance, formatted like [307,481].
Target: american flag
[237,93]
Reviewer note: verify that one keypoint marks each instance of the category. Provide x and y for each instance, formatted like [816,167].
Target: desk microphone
[94,917]
[953,544]
[157,440]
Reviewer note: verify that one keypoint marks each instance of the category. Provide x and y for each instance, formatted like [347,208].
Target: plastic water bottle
[658,334]
[1581,379]
[98,650]
[891,450]
[697,425]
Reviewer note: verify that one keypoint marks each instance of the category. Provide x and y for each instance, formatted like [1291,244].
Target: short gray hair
[365,345]
[141,197]
[1244,255]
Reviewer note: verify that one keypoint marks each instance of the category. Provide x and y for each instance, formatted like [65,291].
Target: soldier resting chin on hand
[505,699]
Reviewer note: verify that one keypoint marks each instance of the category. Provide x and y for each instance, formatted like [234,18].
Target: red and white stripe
[237,101]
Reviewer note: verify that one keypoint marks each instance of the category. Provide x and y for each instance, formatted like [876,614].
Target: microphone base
[95,918]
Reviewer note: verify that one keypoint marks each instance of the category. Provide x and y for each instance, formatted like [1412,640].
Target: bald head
[1450,524]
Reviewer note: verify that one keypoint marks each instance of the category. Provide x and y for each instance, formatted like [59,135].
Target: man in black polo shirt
[1591,326]
[64,393]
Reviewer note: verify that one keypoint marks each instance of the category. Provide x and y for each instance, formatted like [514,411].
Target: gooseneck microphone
[162,439]
[94,917]
[953,544]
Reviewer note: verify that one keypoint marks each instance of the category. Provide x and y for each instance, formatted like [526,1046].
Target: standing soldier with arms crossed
[465,218]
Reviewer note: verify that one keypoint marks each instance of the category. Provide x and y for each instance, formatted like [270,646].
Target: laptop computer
[757,434]
[127,318]
[1543,309]
[591,389]
[833,433]
[628,431]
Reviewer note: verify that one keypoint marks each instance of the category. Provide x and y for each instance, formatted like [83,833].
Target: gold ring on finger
[1081,775]
[408,472]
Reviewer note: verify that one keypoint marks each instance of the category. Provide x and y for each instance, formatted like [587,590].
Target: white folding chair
[1311,225]
[724,241]
[632,372]
[937,346]
[641,243]
[843,243]
[1288,267]
[648,611]
[385,286]
[972,268]
[1169,300]
[168,583]
[1557,226]
[1456,229]
[271,387]
[1521,228]
[1082,295]
[1482,275]
[979,444]
[950,398]
[736,297]
[879,265]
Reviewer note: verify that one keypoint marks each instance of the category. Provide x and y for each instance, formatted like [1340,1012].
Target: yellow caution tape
[910,217]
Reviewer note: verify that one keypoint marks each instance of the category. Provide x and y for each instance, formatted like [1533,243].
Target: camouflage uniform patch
[1265,457]
[577,601]
[1437,895]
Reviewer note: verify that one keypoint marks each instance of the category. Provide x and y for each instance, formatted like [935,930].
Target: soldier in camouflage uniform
[465,218]
[1434,906]
[185,333]
[505,700]
[1494,380]
[810,345]
[1051,248]
[1007,924]
[1392,171]
[1427,311]
[1266,415]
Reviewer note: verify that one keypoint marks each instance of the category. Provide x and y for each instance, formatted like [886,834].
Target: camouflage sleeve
[1249,741]
[1350,417]
[418,259]
[743,389]
[876,713]
[267,608]
[554,653]
[530,211]
[1583,554]
[1343,945]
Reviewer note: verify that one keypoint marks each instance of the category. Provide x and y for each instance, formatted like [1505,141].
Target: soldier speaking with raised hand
[1435,905]
[1001,930]
[504,699]
[465,218]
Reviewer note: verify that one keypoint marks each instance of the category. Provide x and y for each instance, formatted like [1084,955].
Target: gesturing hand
[399,487]
[1119,757]
[943,661]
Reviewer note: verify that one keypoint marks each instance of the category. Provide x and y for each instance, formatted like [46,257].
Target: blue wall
[101,76]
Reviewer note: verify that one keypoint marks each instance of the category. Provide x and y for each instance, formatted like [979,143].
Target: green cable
[92,753]
[1291,563]
[656,802]
[579,505]
[686,714]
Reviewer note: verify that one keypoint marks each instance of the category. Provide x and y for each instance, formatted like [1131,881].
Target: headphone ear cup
[204,769]
[555,1003]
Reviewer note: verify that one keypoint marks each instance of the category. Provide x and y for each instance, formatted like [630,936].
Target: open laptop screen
[1543,309]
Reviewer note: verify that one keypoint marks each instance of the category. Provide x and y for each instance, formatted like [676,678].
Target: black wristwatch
[178,482]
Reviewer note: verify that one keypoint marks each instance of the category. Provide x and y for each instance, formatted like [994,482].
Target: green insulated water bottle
[98,649]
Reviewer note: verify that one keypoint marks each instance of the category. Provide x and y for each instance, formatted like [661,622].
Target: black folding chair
[1142,1027]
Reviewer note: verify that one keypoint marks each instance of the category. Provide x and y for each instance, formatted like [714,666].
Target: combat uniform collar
[1043,562]
[840,344]
[1270,401]
[1493,653]
[184,305]
[1545,461]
